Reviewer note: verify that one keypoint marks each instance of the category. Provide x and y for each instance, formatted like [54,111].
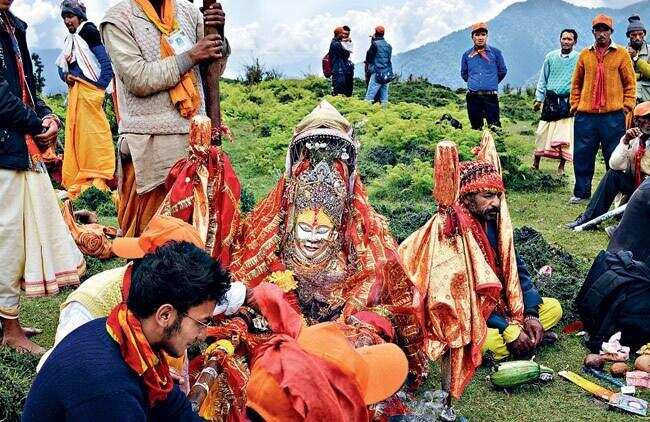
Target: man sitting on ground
[629,166]
[113,368]
[98,295]
[480,296]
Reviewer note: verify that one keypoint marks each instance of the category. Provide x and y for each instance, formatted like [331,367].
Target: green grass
[404,136]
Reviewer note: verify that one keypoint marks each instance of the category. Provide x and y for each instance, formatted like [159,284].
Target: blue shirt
[481,74]
[90,34]
[556,74]
[86,379]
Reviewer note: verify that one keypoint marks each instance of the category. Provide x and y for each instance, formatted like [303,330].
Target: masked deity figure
[318,238]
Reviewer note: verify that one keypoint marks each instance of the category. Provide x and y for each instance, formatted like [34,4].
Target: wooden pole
[211,86]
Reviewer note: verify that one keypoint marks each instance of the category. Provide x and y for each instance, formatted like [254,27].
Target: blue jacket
[481,74]
[532,299]
[86,379]
[90,34]
[340,58]
[16,119]
[379,56]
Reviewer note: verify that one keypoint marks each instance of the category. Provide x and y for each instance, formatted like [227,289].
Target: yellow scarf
[184,95]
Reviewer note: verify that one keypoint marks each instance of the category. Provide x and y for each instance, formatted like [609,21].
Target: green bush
[568,273]
[94,199]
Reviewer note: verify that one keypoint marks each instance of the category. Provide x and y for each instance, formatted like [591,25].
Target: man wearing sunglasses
[114,368]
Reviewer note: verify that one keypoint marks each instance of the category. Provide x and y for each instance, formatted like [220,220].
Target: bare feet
[15,338]
[536,161]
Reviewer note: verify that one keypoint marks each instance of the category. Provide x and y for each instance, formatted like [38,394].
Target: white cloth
[36,247]
[72,316]
[235,298]
[555,139]
[75,49]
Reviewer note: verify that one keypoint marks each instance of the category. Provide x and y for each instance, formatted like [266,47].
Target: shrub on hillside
[517,107]
[568,274]
[94,199]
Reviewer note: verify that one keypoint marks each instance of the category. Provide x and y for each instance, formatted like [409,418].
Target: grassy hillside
[395,163]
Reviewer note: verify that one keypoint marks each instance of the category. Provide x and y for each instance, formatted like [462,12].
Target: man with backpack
[340,66]
[380,68]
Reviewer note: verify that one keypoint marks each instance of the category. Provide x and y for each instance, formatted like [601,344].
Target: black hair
[570,31]
[347,28]
[177,273]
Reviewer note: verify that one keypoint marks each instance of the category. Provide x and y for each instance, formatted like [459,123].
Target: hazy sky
[293,29]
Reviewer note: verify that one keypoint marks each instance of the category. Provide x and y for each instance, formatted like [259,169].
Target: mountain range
[524,32]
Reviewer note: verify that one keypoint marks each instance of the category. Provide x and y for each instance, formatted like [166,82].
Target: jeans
[482,106]
[613,183]
[375,87]
[589,132]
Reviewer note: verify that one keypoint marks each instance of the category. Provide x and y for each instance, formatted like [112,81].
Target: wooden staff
[211,85]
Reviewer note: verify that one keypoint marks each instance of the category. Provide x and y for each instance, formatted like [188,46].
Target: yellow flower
[284,280]
[224,345]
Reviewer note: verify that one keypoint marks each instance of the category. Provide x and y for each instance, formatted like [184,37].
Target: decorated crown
[321,188]
[323,135]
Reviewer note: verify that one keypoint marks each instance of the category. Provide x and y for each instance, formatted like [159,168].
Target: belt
[482,92]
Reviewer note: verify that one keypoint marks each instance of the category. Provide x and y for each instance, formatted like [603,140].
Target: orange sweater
[620,81]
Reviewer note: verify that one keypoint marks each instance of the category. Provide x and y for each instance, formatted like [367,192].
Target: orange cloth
[89,155]
[451,262]
[185,94]
[134,210]
[126,330]
[619,81]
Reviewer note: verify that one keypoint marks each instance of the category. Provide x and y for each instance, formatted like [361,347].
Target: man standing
[36,248]
[638,49]
[483,68]
[380,67]
[342,67]
[113,368]
[156,47]
[603,90]
[554,137]
[89,157]
[629,166]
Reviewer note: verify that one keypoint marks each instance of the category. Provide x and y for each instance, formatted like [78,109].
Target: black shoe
[578,221]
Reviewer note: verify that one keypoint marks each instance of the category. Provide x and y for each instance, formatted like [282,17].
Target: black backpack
[616,297]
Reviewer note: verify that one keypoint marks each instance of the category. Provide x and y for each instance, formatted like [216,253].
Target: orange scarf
[184,95]
[123,326]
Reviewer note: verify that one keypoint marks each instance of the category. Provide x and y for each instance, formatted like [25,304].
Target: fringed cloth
[35,244]
[376,279]
[204,191]
[555,139]
[463,281]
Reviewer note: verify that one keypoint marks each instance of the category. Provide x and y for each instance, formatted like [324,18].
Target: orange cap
[379,371]
[160,230]
[642,109]
[380,30]
[479,25]
[602,19]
